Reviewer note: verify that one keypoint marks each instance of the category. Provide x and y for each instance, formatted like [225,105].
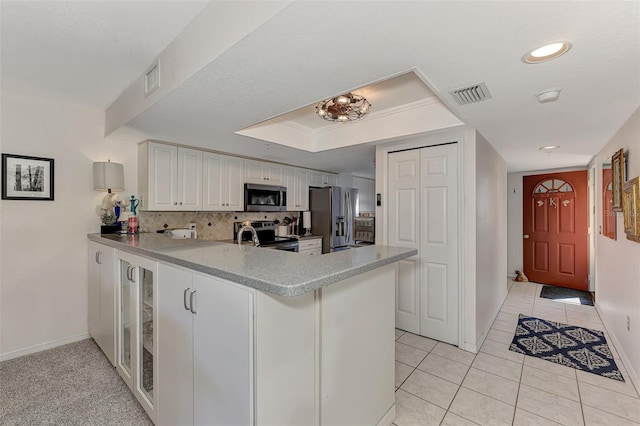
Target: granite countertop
[273,271]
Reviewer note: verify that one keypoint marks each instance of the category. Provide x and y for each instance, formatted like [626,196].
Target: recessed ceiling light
[549,148]
[547,52]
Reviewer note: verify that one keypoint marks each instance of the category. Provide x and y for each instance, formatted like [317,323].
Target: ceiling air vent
[471,95]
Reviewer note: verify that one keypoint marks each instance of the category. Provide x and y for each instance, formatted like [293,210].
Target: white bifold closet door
[423,214]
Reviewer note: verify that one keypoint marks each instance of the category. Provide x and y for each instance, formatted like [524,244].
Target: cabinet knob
[175,204]
[180,202]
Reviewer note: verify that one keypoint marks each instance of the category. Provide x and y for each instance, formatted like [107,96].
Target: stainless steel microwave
[264,198]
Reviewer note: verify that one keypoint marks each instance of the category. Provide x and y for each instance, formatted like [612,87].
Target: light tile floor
[439,384]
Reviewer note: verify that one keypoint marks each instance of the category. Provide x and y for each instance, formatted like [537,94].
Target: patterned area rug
[576,347]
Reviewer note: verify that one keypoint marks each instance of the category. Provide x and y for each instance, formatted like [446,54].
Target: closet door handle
[184,299]
[193,311]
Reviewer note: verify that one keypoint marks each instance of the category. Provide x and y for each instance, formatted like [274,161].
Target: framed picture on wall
[618,171]
[27,178]
[631,207]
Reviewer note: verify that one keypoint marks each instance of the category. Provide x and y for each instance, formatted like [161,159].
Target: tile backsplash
[209,225]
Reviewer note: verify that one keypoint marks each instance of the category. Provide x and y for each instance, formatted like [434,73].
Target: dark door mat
[567,295]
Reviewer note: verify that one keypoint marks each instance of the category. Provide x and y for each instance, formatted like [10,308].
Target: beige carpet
[69,385]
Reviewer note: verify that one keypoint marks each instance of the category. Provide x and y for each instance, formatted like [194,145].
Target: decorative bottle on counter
[133,225]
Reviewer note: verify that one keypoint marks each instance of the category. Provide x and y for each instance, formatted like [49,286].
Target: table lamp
[108,176]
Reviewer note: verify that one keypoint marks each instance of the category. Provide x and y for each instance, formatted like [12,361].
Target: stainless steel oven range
[266,231]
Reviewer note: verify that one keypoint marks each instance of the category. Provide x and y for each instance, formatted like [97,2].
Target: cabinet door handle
[130,273]
[98,253]
[193,292]
[184,299]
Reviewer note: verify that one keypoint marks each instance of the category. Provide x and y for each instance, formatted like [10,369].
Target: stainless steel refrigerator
[332,212]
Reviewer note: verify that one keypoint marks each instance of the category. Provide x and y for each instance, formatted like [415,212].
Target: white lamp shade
[108,176]
[306,219]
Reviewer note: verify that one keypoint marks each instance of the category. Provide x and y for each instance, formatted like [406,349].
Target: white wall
[514,215]
[618,261]
[491,235]
[43,244]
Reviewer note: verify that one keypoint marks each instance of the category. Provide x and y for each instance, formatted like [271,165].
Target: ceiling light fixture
[549,95]
[547,52]
[549,149]
[343,108]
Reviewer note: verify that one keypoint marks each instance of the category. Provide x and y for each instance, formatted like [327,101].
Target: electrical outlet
[628,323]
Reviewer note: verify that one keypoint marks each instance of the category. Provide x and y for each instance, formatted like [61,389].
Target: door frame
[594,182]
[465,159]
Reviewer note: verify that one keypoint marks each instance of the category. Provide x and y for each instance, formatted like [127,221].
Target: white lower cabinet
[102,298]
[205,339]
[310,247]
[137,317]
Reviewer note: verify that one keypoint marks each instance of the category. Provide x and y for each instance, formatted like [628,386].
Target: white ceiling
[85,52]
[314,50]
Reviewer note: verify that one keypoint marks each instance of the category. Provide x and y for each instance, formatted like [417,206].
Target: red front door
[555,229]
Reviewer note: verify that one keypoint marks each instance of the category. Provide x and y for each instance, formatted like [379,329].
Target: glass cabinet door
[125,323]
[145,337]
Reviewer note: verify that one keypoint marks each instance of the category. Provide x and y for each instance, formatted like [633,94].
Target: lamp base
[308,233]
[109,229]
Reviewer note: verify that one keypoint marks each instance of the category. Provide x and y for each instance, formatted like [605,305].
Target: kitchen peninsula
[245,335]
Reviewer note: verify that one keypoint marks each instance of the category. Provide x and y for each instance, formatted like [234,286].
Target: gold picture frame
[631,209]
[619,176]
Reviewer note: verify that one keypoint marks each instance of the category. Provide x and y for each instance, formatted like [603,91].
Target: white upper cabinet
[297,183]
[366,194]
[169,177]
[263,173]
[323,179]
[173,178]
[222,186]
[189,179]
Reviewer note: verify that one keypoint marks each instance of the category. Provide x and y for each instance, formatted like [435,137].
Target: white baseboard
[389,417]
[43,346]
[633,375]
[470,347]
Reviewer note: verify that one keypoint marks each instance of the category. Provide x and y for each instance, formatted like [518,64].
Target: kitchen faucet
[254,234]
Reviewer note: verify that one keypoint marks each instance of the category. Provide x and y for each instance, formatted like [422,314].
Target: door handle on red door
[525,236]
